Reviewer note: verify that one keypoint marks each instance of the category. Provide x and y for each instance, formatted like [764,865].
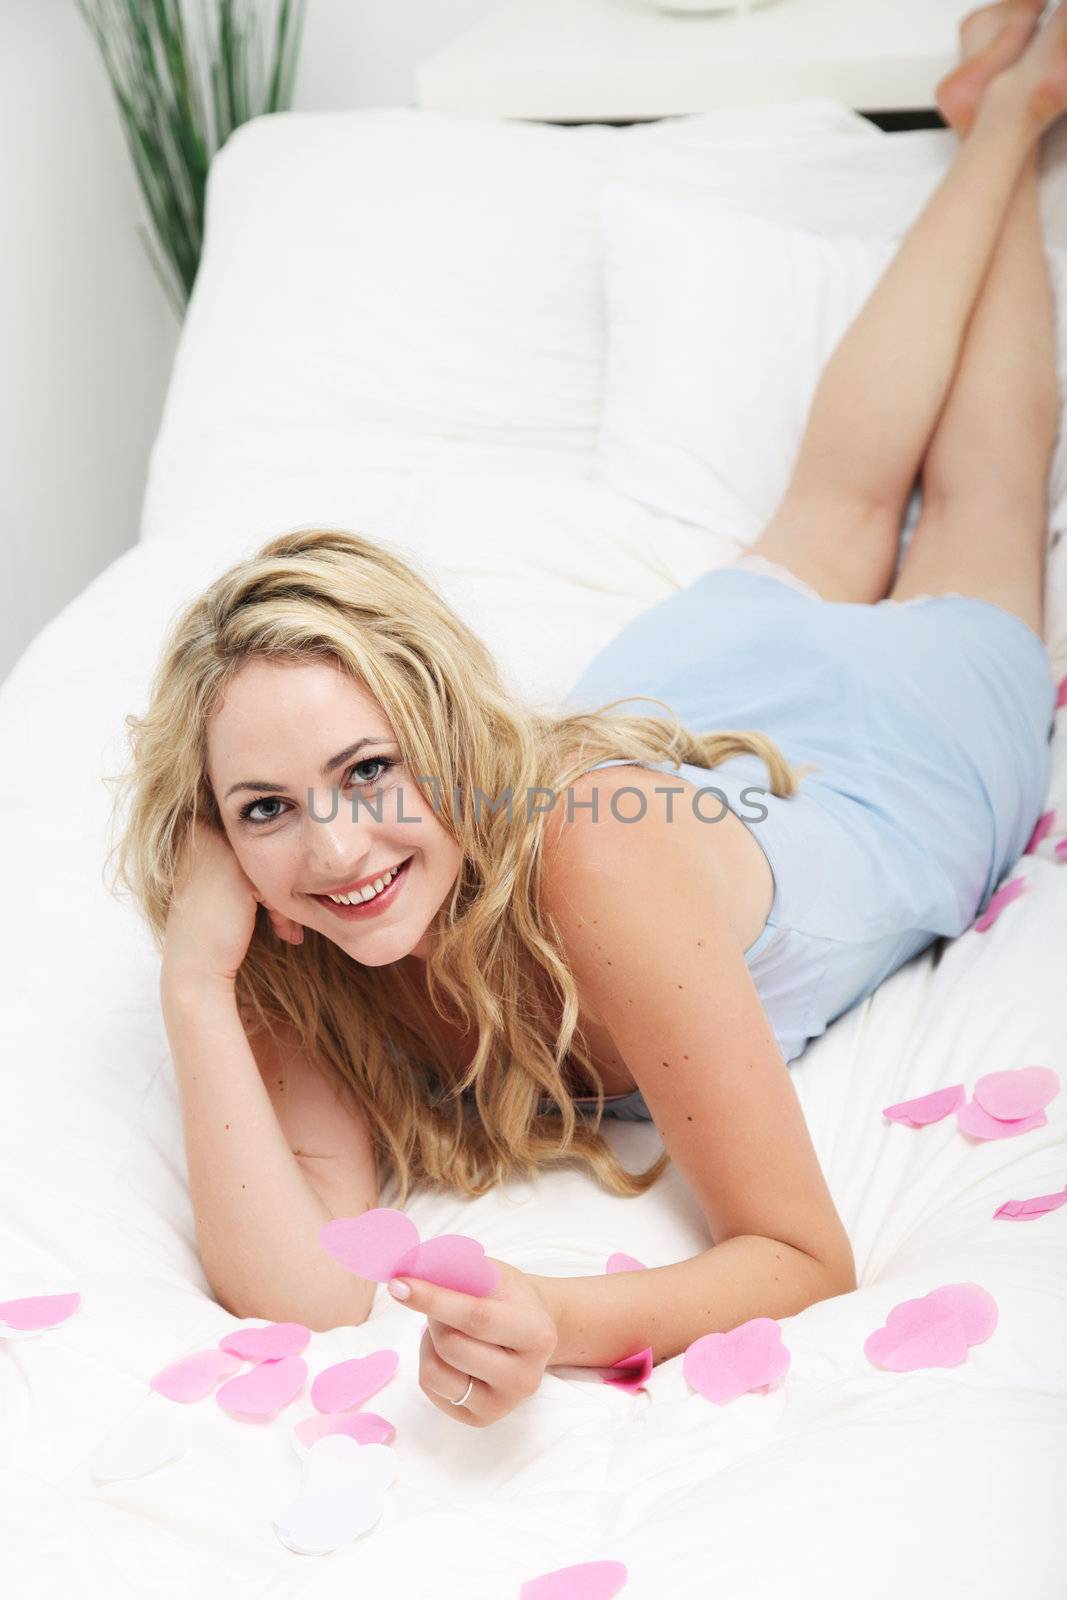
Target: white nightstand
[625,61]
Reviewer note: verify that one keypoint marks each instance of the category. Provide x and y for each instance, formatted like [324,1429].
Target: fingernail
[399,1289]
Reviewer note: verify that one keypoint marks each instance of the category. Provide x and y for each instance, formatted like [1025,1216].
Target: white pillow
[720,323]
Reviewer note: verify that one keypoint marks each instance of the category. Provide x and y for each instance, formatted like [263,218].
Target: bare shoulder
[603,847]
[594,801]
[636,824]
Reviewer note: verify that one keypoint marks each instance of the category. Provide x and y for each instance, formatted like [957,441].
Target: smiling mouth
[368,894]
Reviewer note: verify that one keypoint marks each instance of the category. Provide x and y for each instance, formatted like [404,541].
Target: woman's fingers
[451,1355]
[283,926]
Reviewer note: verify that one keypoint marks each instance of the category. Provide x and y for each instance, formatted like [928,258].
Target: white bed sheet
[458,421]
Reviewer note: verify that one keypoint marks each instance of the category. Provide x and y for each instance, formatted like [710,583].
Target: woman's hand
[503,1340]
[212,913]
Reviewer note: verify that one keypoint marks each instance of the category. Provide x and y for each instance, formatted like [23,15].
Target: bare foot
[1036,83]
[991,38]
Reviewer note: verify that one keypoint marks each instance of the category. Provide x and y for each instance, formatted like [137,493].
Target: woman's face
[301,807]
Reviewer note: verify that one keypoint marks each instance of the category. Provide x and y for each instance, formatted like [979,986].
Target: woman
[508,958]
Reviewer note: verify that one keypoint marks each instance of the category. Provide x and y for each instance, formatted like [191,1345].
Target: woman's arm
[646,925]
[258,1217]
[323,1126]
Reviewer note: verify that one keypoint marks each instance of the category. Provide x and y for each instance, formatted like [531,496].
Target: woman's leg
[985,477]
[881,394]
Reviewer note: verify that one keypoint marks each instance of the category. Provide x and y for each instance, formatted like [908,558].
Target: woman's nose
[336,841]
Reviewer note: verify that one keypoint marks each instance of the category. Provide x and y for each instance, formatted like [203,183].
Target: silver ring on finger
[462,1401]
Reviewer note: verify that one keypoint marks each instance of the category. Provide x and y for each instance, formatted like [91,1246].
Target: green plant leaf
[181,90]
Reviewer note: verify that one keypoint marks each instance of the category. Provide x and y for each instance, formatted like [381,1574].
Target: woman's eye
[373,761]
[247,813]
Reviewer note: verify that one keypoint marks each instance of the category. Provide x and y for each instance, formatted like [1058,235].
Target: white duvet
[398,327]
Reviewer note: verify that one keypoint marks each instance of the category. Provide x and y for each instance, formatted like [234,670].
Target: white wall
[364,52]
[86,333]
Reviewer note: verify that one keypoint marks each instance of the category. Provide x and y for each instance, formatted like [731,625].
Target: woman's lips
[369,908]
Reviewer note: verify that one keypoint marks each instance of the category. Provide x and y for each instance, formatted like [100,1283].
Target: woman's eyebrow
[328,766]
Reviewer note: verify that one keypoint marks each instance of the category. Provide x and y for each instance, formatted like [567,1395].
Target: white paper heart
[317,1524]
[339,1462]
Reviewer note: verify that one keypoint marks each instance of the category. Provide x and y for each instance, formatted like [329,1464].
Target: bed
[398,327]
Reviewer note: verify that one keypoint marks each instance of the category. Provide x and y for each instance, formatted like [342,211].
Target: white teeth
[359,897]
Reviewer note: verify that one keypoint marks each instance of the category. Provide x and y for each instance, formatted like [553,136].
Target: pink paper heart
[621,1262]
[634,1372]
[370,1245]
[722,1366]
[980,1125]
[384,1243]
[270,1343]
[39,1310]
[363,1426]
[266,1389]
[1042,827]
[1060,851]
[1003,897]
[590,1580]
[1012,1095]
[451,1260]
[973,1307]
[918,1333]
[194,1376]
[1039,1205]
[927,1107]
[1061,694]
[347,1384]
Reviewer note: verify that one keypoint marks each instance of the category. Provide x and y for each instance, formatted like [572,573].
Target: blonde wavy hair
[493,956]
